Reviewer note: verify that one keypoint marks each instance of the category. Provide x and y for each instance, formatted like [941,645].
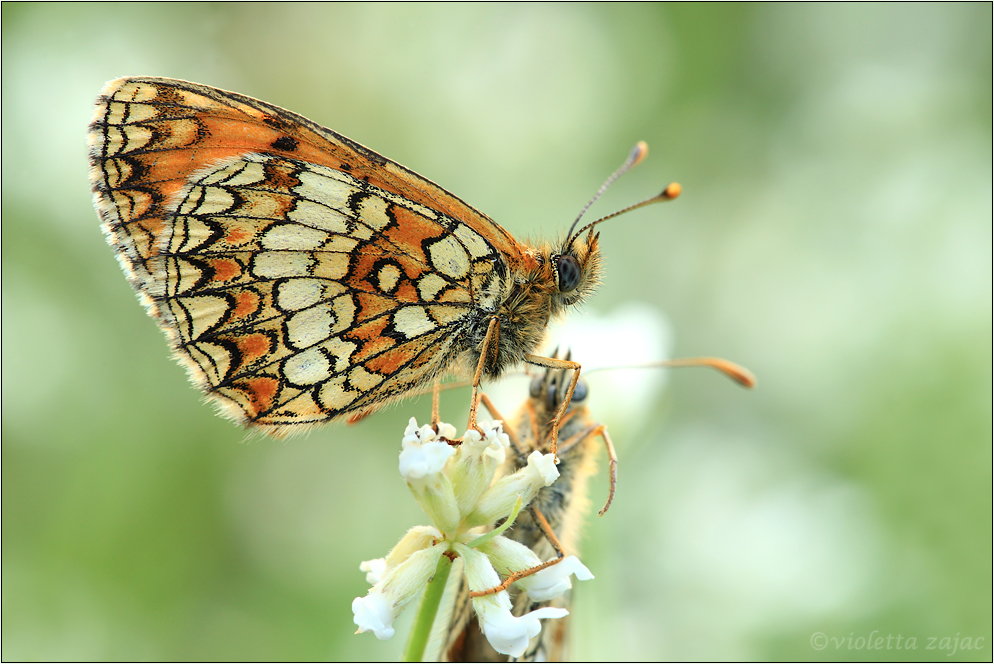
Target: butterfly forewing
[298,275]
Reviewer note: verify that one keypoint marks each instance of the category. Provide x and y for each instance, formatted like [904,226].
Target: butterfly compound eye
[535,389]
[568,272]
[557,392]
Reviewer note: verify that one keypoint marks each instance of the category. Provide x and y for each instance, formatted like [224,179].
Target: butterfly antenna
[738,373]
[672,191]
[637,154]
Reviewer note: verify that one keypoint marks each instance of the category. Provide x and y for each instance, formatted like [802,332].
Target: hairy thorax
[521,320]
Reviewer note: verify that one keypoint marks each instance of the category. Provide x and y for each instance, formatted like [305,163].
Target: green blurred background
[834,236]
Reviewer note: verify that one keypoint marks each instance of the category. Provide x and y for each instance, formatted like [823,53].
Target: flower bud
[417,538]
[422,462]
[479,456]
[499,499]
[379,608]
[509,556]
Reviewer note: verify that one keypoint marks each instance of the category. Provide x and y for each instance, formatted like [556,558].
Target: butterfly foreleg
[490,340]
[436,390]
[554,363]
[511,435]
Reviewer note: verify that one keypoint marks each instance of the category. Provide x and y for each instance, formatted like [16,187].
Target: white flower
[542,468]
[478,458]
[500,498]
[509,556]
[377,610]
[507,634]
[417,538]
[448,485]
[553,581]
[423,455]
[413,434]
[495,440]
[422,462]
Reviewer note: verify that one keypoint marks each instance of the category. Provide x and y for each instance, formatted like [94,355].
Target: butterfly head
[548,390]
[576,268]
[576,265]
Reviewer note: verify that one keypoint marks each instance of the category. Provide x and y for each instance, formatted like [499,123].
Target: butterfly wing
[299,276]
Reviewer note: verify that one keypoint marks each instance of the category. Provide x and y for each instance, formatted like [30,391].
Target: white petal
[377,610]
[411,432]
[553,581]
[374,569]
[420,461]
[544,466]
[497,441]
[446,431]
[414,434]
[373,613]
[510,635]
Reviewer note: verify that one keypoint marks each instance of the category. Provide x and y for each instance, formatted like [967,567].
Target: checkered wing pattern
[299,276]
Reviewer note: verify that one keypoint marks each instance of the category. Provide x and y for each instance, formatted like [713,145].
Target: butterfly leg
[436,390]
[612,460]
[489,341]
[513,437]
[549,535]
[554,363]
[612,457]
[543,524]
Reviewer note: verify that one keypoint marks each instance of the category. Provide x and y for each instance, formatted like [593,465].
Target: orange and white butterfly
[301,277]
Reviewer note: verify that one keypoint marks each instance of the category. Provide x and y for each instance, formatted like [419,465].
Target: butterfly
[302,278]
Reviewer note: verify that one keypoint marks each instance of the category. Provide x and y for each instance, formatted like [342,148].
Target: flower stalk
[415,649]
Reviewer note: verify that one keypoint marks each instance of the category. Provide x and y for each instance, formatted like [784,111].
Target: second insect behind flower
[456,489]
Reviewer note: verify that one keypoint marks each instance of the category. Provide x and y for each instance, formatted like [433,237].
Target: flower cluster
[455,487]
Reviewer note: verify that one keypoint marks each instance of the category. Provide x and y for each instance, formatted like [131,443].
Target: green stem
[421,631]
[497,531]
